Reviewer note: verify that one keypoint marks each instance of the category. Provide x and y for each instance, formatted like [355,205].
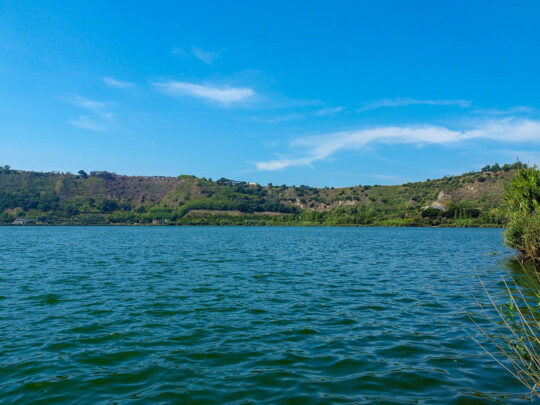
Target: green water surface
[122,315]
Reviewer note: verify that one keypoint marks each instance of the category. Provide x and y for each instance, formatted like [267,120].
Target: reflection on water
[216,315]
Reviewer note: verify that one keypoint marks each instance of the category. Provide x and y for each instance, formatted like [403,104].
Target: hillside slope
[108,198]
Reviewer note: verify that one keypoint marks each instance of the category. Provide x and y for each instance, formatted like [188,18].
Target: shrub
[521,209]
[431,213]
[523,234]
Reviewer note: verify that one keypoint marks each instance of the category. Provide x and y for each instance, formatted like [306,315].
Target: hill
[108,198]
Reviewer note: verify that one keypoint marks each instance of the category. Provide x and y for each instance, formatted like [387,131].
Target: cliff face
[486,188]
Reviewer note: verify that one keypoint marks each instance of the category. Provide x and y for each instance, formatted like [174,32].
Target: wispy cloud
[403,102]
[224,95]
[99,118]
[178,51]
[516,110]
[329,111]
[321,147]
[85,103]
[279,119]
[207,57]
[119,84]
[85,122]
[97,122]
[298,116]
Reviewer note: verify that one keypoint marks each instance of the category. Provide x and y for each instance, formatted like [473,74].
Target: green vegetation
[521,209]
[516,326]
[107,198]
[517,323]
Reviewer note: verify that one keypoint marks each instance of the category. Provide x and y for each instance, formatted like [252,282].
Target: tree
[431,213]
[83,174]
[521,208]
[108,206]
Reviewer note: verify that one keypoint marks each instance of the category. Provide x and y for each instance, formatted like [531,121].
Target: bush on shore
[521,208]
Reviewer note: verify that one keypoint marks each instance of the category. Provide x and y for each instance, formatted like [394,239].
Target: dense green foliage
[521,208]
[108,198]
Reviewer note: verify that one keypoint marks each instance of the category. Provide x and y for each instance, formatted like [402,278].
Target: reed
[514,327]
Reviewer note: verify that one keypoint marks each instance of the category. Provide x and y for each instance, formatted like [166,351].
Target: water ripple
[245,315]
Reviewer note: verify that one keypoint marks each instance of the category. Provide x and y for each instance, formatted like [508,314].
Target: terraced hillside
[107,198]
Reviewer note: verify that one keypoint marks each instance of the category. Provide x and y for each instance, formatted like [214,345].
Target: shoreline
[484,226]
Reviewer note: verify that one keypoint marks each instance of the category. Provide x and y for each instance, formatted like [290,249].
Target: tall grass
[514,327]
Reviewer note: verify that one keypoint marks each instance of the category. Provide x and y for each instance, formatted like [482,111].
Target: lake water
[246,315]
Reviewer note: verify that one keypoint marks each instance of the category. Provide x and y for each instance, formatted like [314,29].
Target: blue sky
[318,93]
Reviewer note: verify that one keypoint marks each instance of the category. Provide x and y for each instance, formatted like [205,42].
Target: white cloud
[298,116]
[321,147]
[507,130]
[111,82]
[329,111]
[86,122]
[86,103]
[207,57]
[520,109]
[403,102]
[98,120]
[224,95]
[283,163]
